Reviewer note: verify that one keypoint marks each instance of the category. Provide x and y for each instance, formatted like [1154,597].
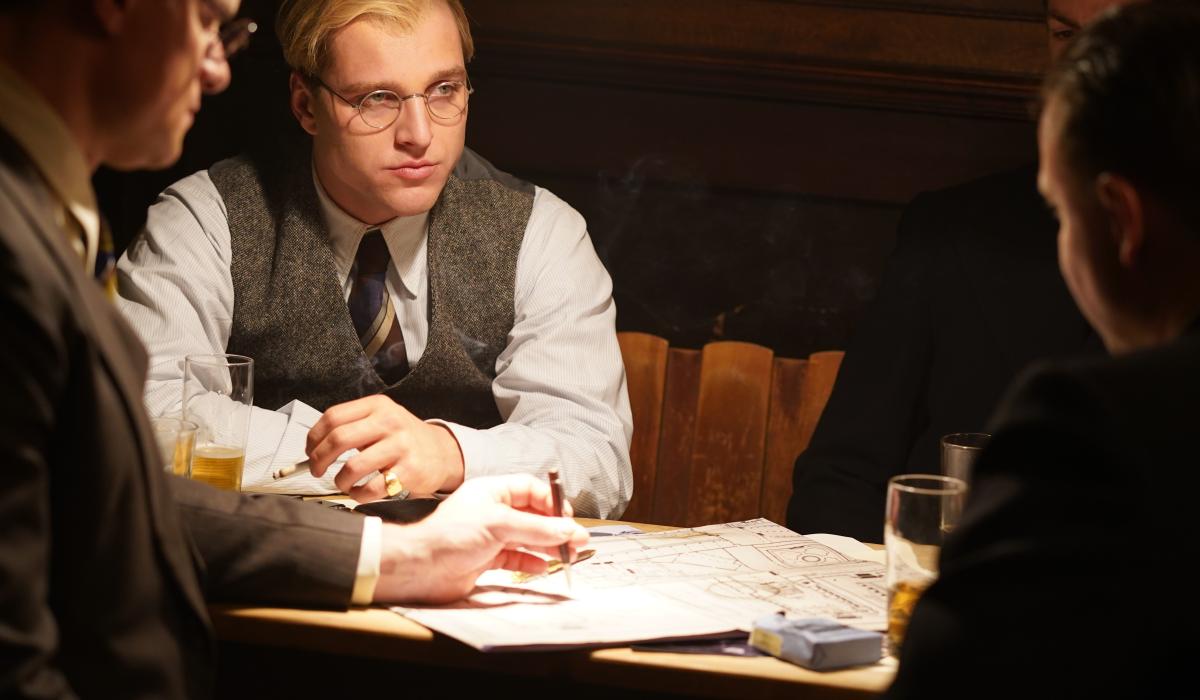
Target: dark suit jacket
[1069,565]
[103,570]
[971,295]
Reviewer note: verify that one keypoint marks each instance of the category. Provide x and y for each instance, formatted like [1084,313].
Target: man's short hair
[305,27]
[1128,89]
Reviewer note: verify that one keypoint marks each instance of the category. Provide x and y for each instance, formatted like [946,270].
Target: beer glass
[921,510]
[218,393]
[176,439]
[959,452]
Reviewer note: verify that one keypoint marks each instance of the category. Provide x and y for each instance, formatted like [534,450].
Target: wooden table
[278,652]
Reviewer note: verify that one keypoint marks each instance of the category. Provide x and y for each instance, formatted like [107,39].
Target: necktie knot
[372,257]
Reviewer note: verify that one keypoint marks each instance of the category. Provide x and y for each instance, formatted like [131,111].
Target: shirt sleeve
[176,290]
[560,382]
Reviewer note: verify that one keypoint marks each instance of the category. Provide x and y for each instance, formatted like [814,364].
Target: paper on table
[291,449]
[668,585]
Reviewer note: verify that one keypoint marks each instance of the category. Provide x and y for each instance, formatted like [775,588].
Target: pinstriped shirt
[560,383]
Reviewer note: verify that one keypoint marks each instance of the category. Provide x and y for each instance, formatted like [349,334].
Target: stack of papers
[265,456]
[677,584]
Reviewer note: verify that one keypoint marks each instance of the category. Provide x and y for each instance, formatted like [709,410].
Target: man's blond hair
[306,27]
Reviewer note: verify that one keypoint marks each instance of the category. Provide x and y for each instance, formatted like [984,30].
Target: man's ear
[112,14]
[1124,207]
[302,102]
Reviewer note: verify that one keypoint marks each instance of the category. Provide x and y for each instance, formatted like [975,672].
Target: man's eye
[1063,34]
[376,99]
[443,90]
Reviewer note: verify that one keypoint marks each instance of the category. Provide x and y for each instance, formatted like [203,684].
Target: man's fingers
[338,415]
[357,435]
[516,560]
[373,490]
[519,529]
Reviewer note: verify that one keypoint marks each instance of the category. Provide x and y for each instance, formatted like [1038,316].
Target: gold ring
[392,483]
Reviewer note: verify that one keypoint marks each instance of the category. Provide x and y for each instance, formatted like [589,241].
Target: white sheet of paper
[668,585]
[257,474]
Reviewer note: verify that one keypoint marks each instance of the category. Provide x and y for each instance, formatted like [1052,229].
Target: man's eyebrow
[1073,24]
[361,88]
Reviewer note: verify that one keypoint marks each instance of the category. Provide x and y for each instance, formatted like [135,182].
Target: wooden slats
[785,438]
[678,430]
[717,432]
[645,358]
[731,429]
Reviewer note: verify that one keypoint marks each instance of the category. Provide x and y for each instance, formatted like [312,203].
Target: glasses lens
[447,100]
[235,36]
[379,109]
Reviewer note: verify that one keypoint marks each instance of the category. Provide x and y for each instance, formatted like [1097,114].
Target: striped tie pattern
[106,261]
[372,311]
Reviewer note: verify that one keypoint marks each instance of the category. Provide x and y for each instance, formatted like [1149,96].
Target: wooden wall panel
[742,164]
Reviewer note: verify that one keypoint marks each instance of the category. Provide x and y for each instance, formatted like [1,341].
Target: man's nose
[214,70]
[413,124]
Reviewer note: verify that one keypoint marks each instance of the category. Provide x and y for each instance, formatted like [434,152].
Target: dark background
[742,164]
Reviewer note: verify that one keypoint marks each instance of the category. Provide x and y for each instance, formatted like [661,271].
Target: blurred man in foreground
[1064,579]
[106,562]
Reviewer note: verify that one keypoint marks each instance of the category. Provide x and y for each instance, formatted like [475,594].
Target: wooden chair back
[717,431]
[645,358]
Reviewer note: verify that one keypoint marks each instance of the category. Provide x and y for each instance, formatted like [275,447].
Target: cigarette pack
[816,643]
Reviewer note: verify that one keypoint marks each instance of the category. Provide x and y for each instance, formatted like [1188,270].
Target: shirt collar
[38,128]
[405,237]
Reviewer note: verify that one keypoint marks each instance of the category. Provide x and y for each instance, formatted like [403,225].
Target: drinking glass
[176,440]
[959,452]
[218,393]
[921,510]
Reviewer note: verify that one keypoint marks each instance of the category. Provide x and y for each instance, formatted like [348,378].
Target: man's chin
[412,201]
[146,155]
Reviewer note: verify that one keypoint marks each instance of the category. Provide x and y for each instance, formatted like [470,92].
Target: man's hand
[478,528]
[425,457]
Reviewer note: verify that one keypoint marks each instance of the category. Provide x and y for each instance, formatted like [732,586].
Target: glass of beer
[218,393]
[176,439]
[959,452]
[921,510]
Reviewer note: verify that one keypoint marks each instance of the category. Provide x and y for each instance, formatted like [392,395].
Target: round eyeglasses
[445,101]
[235,35]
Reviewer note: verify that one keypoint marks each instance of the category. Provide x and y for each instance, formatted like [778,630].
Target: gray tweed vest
[290,316]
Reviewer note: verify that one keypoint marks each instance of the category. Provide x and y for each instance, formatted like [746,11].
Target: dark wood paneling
[893,56]
[741,163]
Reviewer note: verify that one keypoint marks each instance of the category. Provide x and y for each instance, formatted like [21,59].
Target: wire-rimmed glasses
[379,109]
[235,35]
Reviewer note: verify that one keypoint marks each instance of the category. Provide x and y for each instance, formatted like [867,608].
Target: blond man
[450,320]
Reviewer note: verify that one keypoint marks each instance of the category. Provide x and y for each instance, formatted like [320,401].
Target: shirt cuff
[369,556]
[476,448]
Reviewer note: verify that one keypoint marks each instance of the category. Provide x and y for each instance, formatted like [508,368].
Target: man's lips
[414,170]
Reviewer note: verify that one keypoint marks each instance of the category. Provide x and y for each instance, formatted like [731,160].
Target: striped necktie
[106,261]
[372,311]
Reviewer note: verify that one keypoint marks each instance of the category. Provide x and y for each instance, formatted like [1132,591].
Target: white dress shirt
[560,382]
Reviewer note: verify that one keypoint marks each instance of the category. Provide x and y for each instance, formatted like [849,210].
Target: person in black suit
[971,295]
[1064,578]
[106,562]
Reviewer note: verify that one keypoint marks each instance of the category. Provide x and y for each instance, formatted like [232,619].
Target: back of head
[305,27]
[1129,92]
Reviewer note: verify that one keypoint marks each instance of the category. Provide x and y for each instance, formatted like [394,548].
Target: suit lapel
[124,359]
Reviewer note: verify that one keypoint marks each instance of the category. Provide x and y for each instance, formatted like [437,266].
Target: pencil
[564,552]
[301,466]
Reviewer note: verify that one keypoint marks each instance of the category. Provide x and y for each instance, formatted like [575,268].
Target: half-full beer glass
[921,510]
[218,392]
